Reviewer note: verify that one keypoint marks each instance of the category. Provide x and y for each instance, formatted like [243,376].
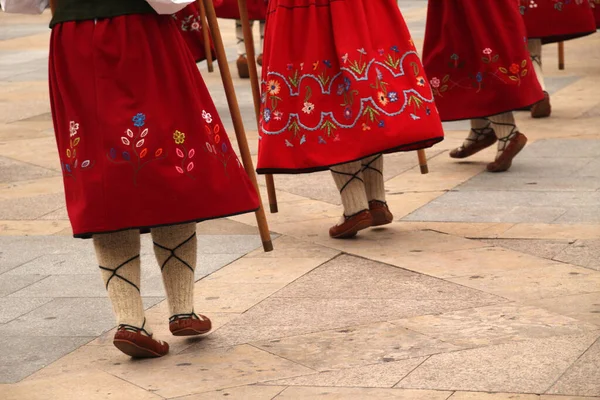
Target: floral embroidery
[215,147]
[364,85]
[186,155]
[510,74]
[558,5]
[134,152]
[71,162]
[189,22]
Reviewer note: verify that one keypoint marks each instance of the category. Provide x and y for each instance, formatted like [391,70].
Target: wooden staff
[236,116]
[561,55]
[206,37]
[251,56]
[423,162]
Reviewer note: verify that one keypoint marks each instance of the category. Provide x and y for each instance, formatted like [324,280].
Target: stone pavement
[485,287]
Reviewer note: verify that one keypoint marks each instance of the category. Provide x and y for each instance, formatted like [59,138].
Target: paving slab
[547,249]
[497,324]
[11,308]
[23,355]
[13,171]
[523,367]
[253,392]
[355,346]
[585,253]
[583,307]
[382,375]
[583,378]
[11,284]
[326,393]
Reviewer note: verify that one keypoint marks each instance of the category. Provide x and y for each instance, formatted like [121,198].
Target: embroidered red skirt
[257,9]
[341,81]
[139,139]
[557,20]
[190,26]
[477,61]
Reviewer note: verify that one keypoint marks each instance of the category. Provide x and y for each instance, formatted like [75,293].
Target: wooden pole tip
[424,169]
[274,208]
[268,246]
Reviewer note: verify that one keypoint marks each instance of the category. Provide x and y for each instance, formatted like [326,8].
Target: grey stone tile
[11,308]
[13,31]
[585,253]
[228,244]
[540,248]
[14,171]
[65,286]
[29,208]
[583,378]
[64,317]
[13,283]
[497,324]
[567,148]
[556,83]
[580,215]
[385,374]
[523,367]
[38,74]
[23,355]
[72,263]
[348,277]
[354,347]
[57,215]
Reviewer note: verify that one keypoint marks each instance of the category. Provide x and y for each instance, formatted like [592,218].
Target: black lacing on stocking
[508,138]
[368,166]
[185,316]
[537,59]
[352,177]
[135,329]
[175,256]
[116,274]
[480,133]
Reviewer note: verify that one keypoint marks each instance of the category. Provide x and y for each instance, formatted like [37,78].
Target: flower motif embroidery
[207,117]
[308,108]
[215,147]
[420,81]
[71,163]
[487,51]
[435,83]
[273,87]
[382,98]
[179,137]
[135,153]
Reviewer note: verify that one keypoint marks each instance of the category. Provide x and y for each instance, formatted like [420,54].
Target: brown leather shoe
[259,59]
[137,343]
[464,152]
[189,324]
[542,109]
[350,227]
[242,67]
[514,147]
[380,212]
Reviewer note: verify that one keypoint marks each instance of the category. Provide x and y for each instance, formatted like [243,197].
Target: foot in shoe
[189,324]
[504,161]
[484,141]
[380,212]
[138,343]
[242,66]
[350,226]
[259,59]
[542,109]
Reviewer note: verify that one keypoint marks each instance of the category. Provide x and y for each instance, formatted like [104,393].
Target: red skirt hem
[146,229]
[421,145]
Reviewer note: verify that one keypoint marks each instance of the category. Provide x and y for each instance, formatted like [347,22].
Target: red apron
[476,57]
[139,139]
[341,81]
[557,20]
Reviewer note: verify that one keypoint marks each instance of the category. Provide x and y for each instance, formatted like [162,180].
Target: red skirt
[257,9]
[475,54]
[190,26]
[139,139]
[557,20]
[595,4]
[357,90]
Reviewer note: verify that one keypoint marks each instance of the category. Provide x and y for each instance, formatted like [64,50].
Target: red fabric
[341,81]
[557,20]
[257,9]
[476,56]
[596,8]
[190,26]
[139,139]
